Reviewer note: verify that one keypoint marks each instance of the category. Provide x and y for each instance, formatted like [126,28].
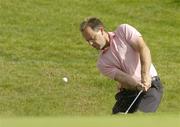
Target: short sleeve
[130,33]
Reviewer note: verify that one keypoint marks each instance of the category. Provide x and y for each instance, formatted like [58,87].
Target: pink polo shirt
[121,56]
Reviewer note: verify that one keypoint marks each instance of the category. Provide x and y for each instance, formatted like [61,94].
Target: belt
[155,78]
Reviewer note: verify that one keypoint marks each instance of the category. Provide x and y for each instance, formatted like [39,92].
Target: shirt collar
[111,36]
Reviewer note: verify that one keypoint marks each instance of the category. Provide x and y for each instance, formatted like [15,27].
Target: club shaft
[133,102]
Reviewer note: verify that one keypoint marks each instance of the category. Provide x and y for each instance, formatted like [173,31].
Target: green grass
[40,43]
[108,121]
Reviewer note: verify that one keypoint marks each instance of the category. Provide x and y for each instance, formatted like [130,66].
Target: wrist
[139,87]
[146,79]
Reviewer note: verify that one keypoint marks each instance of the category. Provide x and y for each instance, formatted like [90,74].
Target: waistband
[155,78]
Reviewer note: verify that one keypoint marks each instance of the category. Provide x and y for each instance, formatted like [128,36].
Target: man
[125,58]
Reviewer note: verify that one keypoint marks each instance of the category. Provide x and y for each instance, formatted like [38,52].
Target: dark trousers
[146,102]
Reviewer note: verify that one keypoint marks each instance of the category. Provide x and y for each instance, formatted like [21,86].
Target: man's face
[95,39]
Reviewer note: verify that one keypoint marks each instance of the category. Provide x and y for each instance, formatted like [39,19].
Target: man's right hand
[141,86]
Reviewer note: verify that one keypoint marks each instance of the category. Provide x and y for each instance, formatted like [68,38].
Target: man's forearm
[145,58]
[126,80]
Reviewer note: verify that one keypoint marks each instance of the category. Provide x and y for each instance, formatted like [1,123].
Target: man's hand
[141,86]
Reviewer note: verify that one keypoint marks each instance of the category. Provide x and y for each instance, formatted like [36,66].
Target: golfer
[125,58]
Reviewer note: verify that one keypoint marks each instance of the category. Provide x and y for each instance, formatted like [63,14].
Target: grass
[108,121]
[40,43]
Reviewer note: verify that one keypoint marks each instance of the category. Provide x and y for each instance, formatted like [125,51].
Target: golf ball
[65,79]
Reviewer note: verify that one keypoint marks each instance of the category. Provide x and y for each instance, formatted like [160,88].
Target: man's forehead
[88,29]
[88,32]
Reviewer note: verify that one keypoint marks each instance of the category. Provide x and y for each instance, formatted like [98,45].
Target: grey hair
[92,22]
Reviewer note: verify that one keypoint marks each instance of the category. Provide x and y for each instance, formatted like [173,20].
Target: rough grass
[40,43]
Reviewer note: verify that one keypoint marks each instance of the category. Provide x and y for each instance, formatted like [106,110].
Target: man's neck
[107,38]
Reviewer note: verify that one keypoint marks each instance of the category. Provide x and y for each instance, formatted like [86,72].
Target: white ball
[65,79]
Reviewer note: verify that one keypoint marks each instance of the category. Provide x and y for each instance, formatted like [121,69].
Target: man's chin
[102,48]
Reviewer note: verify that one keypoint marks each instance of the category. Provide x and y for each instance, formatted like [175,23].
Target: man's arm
[145,58]
[127,81]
